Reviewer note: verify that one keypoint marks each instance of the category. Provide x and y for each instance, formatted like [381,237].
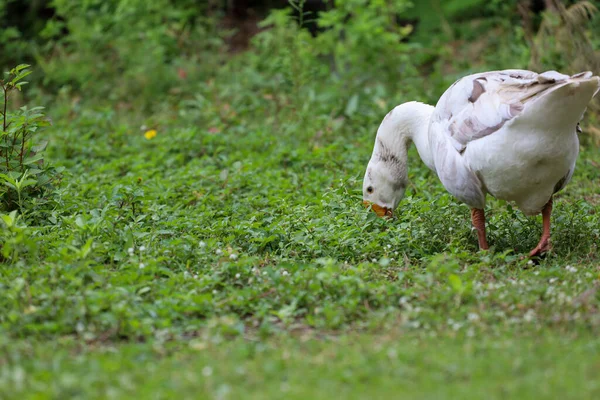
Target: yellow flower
[150,134]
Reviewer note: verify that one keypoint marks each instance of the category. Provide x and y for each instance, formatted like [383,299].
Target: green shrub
[365,40]
[22,169]
[138,49]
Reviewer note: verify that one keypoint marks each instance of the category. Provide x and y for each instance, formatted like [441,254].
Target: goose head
[384,185]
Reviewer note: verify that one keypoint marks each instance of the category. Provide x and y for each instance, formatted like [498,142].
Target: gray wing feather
[479,105]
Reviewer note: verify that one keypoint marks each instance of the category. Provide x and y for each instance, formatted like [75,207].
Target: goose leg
[478,219]
[544,244]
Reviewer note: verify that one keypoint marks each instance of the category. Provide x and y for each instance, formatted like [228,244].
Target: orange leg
[544,244]
[478,219]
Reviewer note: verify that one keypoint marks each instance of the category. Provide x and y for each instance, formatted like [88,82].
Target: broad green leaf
[28,182]
[35,158]
[87,247]
[19,77]
[7,179]
[41,146]
[9,219]
[20,67]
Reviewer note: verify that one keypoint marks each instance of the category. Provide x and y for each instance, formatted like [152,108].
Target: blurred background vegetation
[136,53]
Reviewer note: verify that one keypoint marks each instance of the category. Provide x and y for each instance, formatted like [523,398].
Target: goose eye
[370,189]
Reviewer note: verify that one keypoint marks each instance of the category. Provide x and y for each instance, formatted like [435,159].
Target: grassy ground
[354,366]
[230,256]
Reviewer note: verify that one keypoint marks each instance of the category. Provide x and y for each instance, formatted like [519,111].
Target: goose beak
[379,210]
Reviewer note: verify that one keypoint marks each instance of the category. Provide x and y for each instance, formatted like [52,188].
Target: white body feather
[521,146]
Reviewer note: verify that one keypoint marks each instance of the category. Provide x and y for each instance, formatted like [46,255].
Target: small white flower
[529,315]
[219,252]
[389,246]
[215,291]
[473,317]
[207,371]
[552,280]
[142,266]
[414,324]
[142,248]
[130,250]
[233,256]
[571,269]
[237,276]
[392,353]
[202,244]
[285,273]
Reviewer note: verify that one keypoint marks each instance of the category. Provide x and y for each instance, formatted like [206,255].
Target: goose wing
[479,105]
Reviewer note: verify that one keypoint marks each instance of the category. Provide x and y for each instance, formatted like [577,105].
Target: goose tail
[564,102]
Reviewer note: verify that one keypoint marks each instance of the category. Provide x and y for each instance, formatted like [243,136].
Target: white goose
[511,134]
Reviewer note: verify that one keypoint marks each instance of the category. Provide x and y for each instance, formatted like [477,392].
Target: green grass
[253,259]
[230,257]
[354,366]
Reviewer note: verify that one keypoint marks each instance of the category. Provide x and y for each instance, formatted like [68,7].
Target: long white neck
[405,123]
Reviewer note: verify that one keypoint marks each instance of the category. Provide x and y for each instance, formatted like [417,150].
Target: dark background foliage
[76,43]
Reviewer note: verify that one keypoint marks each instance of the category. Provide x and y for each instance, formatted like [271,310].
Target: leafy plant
[16,243]
[561,41]
[144,49]
[363,35]
[22,168]
[564,42]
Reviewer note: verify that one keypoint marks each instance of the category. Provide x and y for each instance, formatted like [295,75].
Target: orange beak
[380,211]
